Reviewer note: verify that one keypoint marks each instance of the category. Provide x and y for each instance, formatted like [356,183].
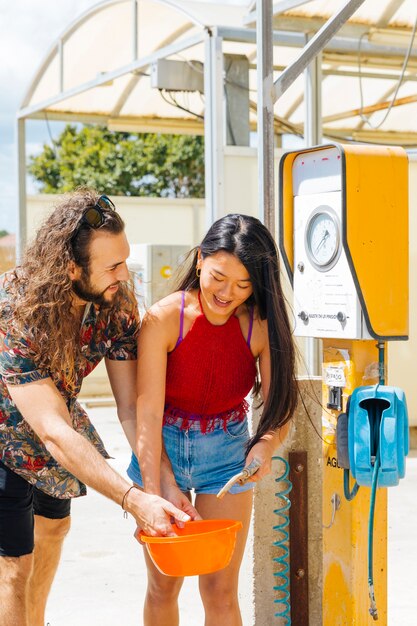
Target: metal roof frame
[336,42]
[106,77]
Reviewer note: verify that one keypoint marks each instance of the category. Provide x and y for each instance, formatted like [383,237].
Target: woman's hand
[262,452]
[172,493]
[264,449]
[178,501]
[153,514]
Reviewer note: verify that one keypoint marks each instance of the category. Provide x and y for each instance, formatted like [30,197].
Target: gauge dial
[323,238]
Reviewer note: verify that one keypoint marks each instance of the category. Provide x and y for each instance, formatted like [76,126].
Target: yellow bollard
[345,543]
[344,242]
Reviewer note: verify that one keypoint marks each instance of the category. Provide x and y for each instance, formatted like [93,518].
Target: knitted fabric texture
[209,374]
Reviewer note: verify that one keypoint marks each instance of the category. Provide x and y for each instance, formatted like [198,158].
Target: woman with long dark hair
[201,350]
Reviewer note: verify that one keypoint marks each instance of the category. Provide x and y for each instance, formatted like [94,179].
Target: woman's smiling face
[224,284]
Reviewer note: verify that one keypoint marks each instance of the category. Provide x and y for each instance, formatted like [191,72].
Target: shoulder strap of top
[181,319]
[251,311]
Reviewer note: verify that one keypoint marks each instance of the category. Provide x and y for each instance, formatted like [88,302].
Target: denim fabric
[203,462]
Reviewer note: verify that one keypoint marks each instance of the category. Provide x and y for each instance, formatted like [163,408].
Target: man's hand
[172,492]
[153,514]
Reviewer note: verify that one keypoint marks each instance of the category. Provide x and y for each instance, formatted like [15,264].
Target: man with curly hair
[63,309]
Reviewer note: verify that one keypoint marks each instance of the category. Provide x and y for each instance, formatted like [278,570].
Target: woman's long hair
[39,299]
[251,242]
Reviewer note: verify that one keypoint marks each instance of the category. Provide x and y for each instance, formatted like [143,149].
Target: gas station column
[344,241]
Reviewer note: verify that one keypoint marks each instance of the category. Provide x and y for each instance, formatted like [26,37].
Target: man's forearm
[79,457]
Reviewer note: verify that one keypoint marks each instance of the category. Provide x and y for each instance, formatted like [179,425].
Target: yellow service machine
[344,241]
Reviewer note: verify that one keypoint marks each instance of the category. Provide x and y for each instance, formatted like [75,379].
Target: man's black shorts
[19,502]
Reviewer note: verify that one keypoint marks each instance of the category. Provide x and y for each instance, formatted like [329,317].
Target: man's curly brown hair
[39,290]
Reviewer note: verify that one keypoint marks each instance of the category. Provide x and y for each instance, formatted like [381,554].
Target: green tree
[120,163]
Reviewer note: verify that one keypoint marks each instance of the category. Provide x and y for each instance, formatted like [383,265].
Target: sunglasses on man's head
[94,216]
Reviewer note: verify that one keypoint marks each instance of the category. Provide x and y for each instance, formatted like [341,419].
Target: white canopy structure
[109,67]
[98,70]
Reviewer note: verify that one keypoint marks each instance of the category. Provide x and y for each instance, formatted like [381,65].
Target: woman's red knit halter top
[209,373]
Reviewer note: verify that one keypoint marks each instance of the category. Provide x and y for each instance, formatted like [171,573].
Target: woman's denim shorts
[203,462]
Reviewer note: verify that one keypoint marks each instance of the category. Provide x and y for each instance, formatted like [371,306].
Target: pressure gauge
[322,238]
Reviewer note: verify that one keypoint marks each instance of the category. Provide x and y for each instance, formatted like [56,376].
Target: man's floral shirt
[112,335]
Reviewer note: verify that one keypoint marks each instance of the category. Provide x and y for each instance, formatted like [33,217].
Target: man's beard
[84,290]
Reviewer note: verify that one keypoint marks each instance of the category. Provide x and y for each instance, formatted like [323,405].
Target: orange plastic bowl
[201,547]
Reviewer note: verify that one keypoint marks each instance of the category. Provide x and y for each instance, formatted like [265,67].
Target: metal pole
[61,65]
[214,128]
[135,30]
[316,45]
[265,81]
[312,137]
[313,122]
[21,180]
[208,139]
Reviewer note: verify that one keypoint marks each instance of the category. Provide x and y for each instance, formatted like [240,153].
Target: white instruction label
[334,376]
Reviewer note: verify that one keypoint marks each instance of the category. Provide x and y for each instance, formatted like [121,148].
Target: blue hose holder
[378,424]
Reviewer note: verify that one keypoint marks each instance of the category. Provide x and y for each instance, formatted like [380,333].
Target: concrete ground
[101,579]
[402,548]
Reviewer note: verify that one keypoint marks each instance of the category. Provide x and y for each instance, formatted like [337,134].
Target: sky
[28,28]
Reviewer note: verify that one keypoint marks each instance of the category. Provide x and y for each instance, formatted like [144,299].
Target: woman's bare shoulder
[164,311]
[167,310]
[169,303]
